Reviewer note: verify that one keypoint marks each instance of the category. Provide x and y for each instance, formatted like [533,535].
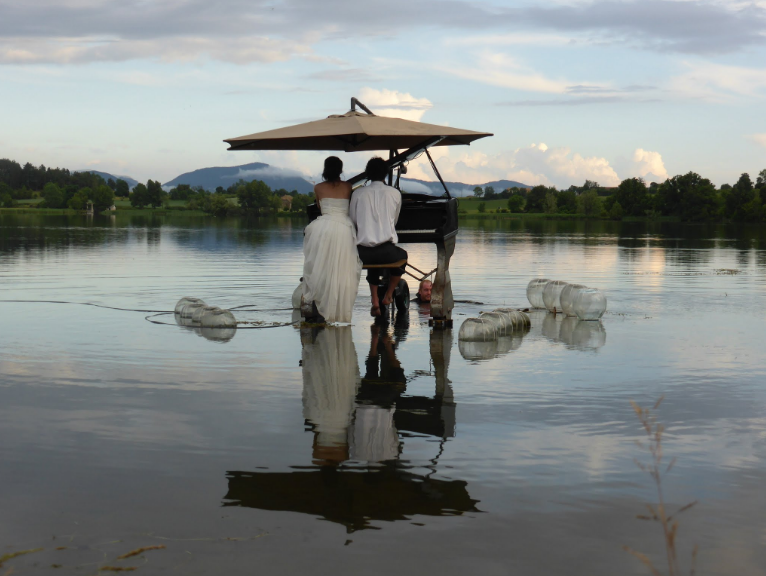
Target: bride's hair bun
[333,168]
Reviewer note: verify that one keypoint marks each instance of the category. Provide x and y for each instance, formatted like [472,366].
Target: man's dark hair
[376,169]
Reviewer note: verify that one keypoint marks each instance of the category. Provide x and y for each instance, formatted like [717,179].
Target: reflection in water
[214,334]
[359,419]
[494,348]
[574,333]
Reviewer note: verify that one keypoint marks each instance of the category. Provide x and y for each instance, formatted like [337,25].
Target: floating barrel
[589,304]
[501,322]
[186,300]
[188,310]
[477,330]
[552,295]
[535,292]
[196,316]
[218,319]
[567,297]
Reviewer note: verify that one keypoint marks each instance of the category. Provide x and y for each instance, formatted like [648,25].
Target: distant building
[287,202]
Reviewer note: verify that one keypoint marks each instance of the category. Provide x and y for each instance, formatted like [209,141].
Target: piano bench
[396,264]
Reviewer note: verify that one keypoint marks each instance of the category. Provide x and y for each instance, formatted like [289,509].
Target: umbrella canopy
[354,132]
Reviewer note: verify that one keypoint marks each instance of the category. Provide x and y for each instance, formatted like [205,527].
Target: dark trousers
[381,254]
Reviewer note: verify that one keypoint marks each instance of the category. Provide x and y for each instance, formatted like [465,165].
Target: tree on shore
[688,197]
[154,193]
[54,197]
[103,198]
[589,204]
[122,189]
[632,196]
[140,196]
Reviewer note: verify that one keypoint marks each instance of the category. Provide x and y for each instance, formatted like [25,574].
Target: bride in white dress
[331,265]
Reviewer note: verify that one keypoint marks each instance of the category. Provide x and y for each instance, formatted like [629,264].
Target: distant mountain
[456,188]
[211,178]
[105,175]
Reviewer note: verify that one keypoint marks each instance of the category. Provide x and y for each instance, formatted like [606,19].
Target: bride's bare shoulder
[333,190]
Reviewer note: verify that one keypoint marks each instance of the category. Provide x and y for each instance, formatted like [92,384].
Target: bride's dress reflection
[358,421]
[330,382]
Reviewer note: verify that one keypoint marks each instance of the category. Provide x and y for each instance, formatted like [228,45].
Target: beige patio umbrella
[355,131]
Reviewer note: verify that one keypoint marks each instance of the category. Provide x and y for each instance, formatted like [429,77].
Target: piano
[425,218]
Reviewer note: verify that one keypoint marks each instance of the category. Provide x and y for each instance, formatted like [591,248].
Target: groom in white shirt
[374,210]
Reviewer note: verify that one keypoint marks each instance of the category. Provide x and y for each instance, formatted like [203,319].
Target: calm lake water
[369,450]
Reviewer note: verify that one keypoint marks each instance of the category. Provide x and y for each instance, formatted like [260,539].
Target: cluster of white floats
[558,296]
[490,326]
[196,312]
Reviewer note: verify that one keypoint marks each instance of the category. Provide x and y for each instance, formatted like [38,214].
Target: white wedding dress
[331,265]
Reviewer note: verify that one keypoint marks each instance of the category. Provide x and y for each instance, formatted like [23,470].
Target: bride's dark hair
[333,167]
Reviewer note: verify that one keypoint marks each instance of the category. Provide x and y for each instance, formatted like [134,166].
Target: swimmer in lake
[424,292]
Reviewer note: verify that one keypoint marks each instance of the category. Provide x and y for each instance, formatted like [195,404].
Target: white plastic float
[196,316]
[535,292]
[589,304]
[502,322]
[188,310]
[218,318]
[186,300]
[477,330]
[567,297]
[552,295]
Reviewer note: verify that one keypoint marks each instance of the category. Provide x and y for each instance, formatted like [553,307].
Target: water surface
[367,449]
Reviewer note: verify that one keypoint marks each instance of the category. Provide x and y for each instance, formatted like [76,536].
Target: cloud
[395,104]
[186,49]
[644,164]
[76,31]
[269,171]
[758,139]
[586,94]
[719,82]
[344,75]
[665,25]
[499,69]
[533,164]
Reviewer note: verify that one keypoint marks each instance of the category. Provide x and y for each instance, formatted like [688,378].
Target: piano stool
[396,264]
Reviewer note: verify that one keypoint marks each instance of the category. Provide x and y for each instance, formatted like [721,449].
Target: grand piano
[423,218]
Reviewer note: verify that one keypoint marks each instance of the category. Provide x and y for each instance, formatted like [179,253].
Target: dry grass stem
[654,432]
[138,551]
[11,555]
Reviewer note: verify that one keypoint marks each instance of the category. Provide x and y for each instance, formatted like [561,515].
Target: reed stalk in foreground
[658,512]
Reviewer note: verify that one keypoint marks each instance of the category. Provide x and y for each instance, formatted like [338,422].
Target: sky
[572,90]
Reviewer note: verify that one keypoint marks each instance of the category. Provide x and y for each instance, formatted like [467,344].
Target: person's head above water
[333,168]
[424,291]
[376,169]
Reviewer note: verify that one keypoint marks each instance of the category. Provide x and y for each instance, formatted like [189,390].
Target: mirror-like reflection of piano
[358,475]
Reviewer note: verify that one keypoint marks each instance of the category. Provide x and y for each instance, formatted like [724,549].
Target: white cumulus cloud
[759,139]
[645,164]
[533,164]
[394,104]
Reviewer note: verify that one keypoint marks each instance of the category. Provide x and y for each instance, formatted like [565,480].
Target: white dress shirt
[374,210]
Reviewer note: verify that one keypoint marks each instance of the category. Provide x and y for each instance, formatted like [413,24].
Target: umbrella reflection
[360,419]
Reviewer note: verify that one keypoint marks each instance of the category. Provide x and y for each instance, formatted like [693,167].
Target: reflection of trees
[359,419]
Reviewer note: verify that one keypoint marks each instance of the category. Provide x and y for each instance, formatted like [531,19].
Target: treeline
[242,198]
[58,187]
[688,197]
